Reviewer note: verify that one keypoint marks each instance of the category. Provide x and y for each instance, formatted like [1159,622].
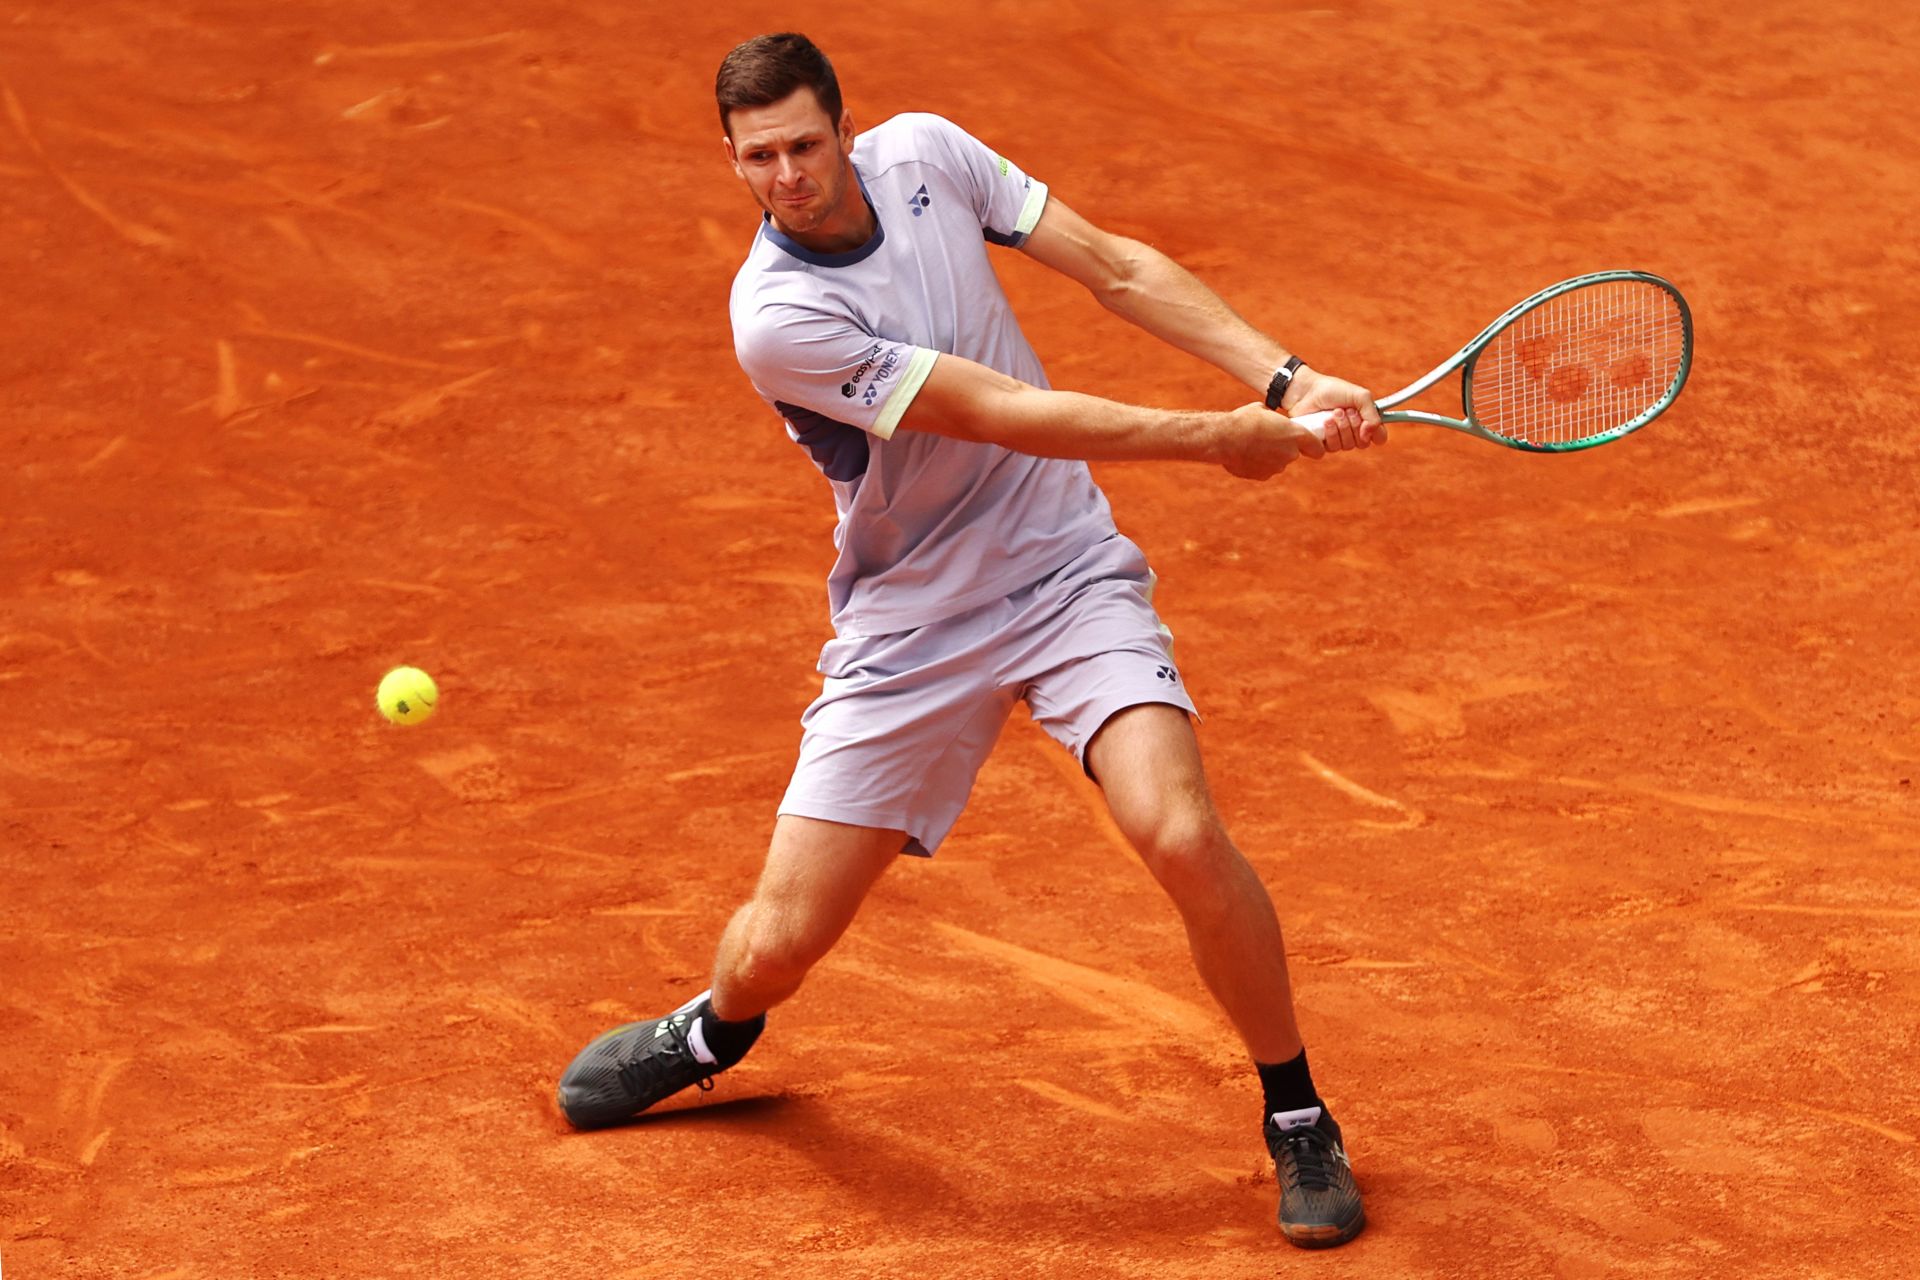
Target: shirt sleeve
[825,364]
[1007,202]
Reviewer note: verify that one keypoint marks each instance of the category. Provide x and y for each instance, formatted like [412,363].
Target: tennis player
[978,565]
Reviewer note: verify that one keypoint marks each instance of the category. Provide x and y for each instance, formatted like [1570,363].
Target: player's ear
[733,157]
[846,128]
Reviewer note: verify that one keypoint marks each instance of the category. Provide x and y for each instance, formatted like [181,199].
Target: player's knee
[1188,853]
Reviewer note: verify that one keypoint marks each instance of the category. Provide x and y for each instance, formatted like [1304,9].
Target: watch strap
[1282,379]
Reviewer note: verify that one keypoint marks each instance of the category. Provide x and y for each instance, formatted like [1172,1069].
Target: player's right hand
[1261,443]
[1355,423]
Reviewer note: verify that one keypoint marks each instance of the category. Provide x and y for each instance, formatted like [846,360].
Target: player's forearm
[1067,424]
[1151,290]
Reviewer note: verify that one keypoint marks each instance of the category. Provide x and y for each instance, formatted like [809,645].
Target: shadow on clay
[697,1113]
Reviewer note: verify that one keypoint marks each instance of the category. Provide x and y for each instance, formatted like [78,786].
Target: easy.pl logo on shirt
[920,200]
[852,384]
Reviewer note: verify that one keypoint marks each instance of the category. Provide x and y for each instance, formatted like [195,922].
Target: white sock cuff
[697,1041]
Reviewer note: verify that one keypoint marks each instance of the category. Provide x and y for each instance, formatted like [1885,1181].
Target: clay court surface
[340,336]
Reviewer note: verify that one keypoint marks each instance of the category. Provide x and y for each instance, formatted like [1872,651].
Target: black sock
[728,1042]
[1288,1085]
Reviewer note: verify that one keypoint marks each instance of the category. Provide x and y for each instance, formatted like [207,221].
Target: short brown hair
[766,69]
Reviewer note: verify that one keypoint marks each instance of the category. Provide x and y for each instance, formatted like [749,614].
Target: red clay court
[341,336]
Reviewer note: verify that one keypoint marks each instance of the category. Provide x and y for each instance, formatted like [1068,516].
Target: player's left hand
[1356,420]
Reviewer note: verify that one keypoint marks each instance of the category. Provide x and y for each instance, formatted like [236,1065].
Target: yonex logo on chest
[920,200]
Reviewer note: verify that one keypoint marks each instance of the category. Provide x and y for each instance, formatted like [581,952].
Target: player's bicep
[964,400]
[1077,249]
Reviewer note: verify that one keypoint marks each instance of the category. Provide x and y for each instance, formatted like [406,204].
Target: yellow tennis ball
[407,695]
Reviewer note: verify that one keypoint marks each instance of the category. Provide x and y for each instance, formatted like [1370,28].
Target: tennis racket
[1582,363]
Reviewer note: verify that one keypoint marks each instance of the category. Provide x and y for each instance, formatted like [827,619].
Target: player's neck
[842,231]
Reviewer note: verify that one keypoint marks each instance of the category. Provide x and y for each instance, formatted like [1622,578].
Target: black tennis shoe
[1319,1203]
[626,1070]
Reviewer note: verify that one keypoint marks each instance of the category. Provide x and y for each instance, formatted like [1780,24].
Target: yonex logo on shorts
[920,200]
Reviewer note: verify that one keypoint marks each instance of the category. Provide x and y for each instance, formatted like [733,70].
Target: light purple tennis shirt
[840,343]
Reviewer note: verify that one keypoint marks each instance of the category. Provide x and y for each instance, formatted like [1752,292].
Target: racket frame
[1463,361]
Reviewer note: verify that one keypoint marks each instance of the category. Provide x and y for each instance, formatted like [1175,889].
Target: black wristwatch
[1277,389]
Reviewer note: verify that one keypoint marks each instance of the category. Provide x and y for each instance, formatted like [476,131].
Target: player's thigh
[815,878]
[901,728]
[1095,648]
[1146,759]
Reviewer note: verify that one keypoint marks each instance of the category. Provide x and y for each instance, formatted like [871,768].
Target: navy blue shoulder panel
[840,451]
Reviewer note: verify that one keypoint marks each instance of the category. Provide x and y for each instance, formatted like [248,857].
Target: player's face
[794,160]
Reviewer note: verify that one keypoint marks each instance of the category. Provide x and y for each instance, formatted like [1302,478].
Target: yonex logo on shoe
[920,200]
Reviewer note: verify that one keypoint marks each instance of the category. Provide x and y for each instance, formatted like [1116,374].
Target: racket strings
[1580,365]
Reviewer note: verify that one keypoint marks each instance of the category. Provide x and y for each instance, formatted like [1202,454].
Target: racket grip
[1315,422]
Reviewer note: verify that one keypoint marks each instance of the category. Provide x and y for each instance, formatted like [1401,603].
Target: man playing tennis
[978,565]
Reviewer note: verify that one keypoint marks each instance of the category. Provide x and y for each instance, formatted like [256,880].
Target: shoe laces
[655,1067]
[1312,1162]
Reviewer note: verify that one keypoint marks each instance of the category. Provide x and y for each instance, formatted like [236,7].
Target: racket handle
[1316,422]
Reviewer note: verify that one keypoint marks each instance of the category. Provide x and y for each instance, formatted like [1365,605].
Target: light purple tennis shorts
[905,721]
